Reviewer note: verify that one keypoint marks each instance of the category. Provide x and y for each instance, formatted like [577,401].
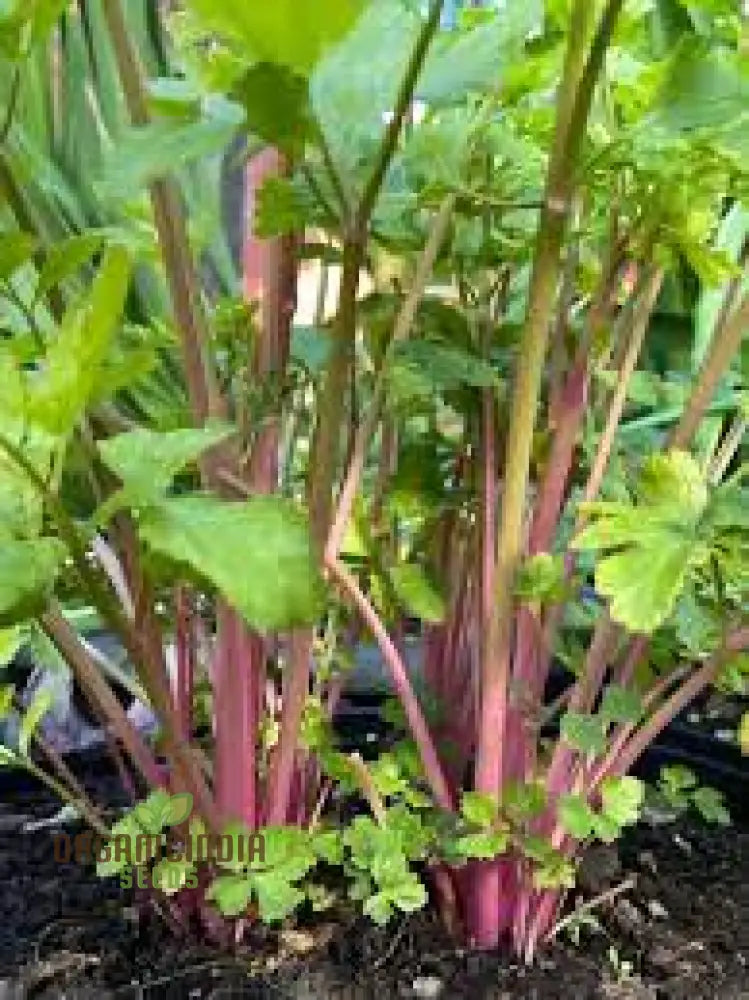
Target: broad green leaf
[147,461]
[704,89]
[621,799]
[15,249]
[75,358]
[576,816]
[643,584]
[147,152]
[417,593]
[474,60]
[583,732]
[28,570]
[257,553]
[443,367]
[293,33]
[356,84]
[41,704]
[231,893]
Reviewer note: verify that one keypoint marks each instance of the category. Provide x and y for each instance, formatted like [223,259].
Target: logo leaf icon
[177,809]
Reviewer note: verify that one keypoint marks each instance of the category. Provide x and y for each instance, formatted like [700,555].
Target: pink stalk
[399,677]
[185,662]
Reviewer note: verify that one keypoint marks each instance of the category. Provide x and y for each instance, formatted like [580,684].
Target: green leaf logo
[177,809]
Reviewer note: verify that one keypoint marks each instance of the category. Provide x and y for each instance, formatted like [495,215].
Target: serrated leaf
[583,732]
[620,704]
[282,207]
[276,104]
[417,593]
[480,809]
[410,895]
[231,893]
[378,908]
[28,570]
[576,816]
[276,896]
[674,480]
[257,553]
[482,845]
[71,368]
[147,461]
[621,799]
[541,578]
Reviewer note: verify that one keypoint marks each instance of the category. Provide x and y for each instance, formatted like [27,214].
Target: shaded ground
[681,932]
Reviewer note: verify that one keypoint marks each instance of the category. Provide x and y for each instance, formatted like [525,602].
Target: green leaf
[474,60]
[620,705]
[480,809]
[576,816]
[283,206]
[65,258]
[643,591]
[257,553]
[483,845]
[76,356]
[277,898]
[541,578]
[704,89]
[292,33]
[409,895]
[10,642]
[33,715]
[676,481]
[147,461]
[379,908]
[28,570]
[443,366]
[231,893]
[621,799]
[147,152]
[583,732]
[417,593]
[276,104]
[7,694]
[711,805]
[15,249]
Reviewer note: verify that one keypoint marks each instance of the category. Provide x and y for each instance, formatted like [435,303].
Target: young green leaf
[231,893]
[621,799]
[41,704]
[480,809]
[710,803]
[620,705]
[576,816]
[28,570]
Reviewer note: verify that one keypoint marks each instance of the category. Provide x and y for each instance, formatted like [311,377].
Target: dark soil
[681,932]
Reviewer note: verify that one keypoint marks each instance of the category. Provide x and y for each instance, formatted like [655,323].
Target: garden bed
[681,931]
